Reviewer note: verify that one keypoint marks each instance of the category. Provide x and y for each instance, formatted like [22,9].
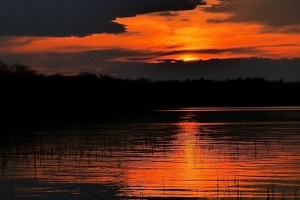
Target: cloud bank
[216,69]
[275,15]
[77,17]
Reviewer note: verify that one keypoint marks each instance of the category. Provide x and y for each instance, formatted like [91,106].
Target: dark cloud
[216,69]
[215,51]
[167,14]
[139,59]
[94,59]
[6,41]
[91,61]
[77,17]
[276,15]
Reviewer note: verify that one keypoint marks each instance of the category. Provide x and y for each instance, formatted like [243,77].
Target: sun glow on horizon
[181,36]
[188,58]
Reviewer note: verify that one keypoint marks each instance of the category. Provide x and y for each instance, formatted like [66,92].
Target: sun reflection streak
[186,158]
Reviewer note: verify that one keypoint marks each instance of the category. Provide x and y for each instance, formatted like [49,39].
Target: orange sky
[188,30]
[179,35]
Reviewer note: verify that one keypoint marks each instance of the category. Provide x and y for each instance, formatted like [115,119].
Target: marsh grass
[53,157]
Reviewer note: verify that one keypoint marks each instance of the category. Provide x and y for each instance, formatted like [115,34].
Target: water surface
[189,152]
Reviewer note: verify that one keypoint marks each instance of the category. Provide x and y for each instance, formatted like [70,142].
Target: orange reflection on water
[180,171]
[188,158]
[200,164]
[170,173]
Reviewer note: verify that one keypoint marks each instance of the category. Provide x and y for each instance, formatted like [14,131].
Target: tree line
[22,89]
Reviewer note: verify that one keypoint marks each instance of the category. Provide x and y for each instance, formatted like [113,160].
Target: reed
[11,188]
[47,155]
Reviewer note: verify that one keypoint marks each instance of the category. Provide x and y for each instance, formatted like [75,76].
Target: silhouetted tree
[20,69]
[22,89]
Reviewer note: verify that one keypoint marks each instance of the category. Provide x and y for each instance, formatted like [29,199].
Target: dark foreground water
[191,152]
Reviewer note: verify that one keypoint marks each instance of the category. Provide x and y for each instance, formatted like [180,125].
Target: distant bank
[22,90]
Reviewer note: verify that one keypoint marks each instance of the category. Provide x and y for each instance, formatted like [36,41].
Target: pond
[240,153]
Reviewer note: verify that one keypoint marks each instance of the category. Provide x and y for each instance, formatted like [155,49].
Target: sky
[157,39]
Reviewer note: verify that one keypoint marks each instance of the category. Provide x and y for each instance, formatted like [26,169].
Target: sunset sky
[127,38]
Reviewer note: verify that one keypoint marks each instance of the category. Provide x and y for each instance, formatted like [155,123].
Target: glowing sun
[189,58]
